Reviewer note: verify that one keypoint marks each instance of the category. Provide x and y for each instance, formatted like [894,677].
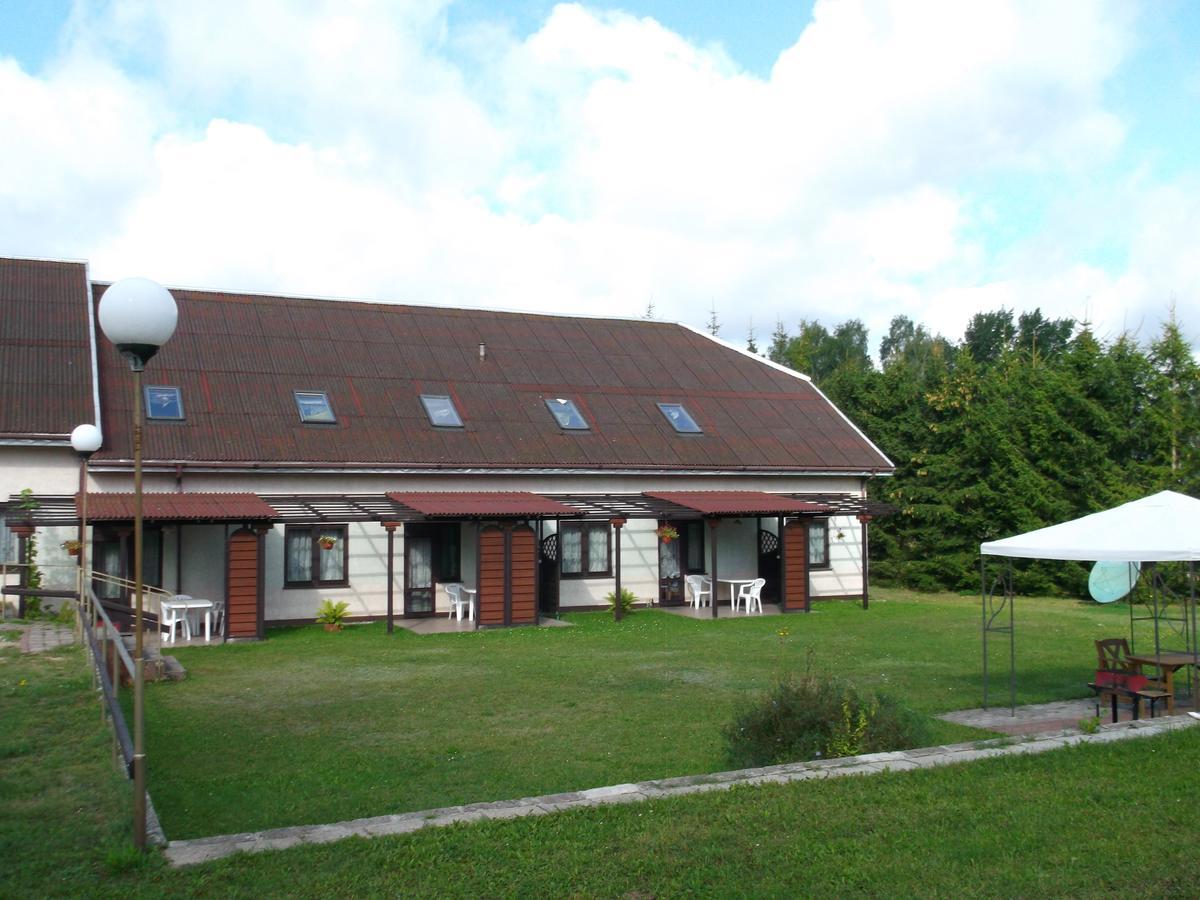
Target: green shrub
[812,717]
[628,598]
[331,613]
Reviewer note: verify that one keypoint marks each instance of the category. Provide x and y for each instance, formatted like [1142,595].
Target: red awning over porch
[483,504]
[738,503]
[163,507]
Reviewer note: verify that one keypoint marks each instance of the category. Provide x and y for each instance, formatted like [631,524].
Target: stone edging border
[198,850]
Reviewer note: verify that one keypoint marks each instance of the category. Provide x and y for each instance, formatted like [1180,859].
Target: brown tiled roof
[481,503]
[45,349]
[239,358]
[737,502]
[161,507]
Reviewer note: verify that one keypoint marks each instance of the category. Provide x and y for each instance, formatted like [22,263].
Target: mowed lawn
[310,727]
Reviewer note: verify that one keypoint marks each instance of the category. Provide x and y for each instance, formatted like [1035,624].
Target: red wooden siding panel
[795,549]
[241,604]
[524,577]
[491,577]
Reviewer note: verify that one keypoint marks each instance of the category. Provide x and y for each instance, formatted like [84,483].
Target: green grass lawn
[1092,821]
[310,727]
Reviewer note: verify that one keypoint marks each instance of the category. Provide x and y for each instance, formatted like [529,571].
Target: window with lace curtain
[315,556]
[585,549]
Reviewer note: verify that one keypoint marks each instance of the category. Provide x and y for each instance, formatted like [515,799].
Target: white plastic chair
[218,616]
[457,601]
[752,594]
[172,615]
[697,585]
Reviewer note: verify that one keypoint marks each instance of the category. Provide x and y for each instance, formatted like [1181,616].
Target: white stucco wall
[203,572]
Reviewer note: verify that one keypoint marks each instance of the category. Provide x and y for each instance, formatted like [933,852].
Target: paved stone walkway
[183,853]
[41,636]
[1037,717]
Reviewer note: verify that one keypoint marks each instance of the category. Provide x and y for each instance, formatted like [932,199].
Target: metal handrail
[108,687]
[153,594]
[110,628]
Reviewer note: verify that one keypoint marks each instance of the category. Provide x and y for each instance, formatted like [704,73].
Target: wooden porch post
[391,551]
[782,566]
[179,557]
[617,611]
[260,534]
[712,526]
[866,560]
[478,572]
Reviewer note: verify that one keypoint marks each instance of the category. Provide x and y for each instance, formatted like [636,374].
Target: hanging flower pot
[326,542]
[72,547]
[666,533]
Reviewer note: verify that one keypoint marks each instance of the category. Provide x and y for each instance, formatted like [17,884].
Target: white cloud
[364,149]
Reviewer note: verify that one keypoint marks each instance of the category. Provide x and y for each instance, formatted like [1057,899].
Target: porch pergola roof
[176,507]
[716,503]
[394,506]
[486,504]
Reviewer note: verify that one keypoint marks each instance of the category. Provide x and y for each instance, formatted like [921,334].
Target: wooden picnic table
[1167,663]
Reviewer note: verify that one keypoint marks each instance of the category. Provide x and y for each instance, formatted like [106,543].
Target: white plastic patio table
[470,595]
[734,584]
[192,604]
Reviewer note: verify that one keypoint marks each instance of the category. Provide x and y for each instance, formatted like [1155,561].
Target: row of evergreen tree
[1020,424]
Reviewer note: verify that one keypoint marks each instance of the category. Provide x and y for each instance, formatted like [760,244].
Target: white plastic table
[734,584]
[470,595]
[188,604]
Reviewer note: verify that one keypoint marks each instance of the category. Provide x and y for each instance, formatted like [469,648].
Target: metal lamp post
[138,316]
[85,440]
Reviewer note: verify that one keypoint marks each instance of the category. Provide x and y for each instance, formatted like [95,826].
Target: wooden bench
[1149,693]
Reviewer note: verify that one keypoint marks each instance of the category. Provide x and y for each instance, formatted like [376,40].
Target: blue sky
[779,161]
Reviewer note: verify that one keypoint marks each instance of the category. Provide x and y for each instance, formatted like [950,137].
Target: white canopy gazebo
[1164,527]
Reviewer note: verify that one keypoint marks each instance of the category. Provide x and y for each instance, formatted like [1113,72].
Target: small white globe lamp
[138,315]
[86,439]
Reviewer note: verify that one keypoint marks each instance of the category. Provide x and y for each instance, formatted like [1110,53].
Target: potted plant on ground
[72,546]
[332,615]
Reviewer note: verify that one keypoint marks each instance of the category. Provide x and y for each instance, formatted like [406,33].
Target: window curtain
[668,559]
[420,563]
[107,562]
[299,555]
[816,543]
[598,548]
[331,561]
[572,549]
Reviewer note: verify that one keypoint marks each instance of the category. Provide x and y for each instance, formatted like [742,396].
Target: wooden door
[548,583]
[418,573]
[795,551]
[243,612]
[768,564]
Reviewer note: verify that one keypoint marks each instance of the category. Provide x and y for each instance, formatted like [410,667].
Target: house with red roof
[394,456]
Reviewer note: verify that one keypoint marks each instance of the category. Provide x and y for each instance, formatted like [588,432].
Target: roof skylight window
[566,414]
[163,402]
[441,411]
[314,406]
[679,418]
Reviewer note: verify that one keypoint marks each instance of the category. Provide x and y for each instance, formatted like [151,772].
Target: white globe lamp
[86,439]
[138,315]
